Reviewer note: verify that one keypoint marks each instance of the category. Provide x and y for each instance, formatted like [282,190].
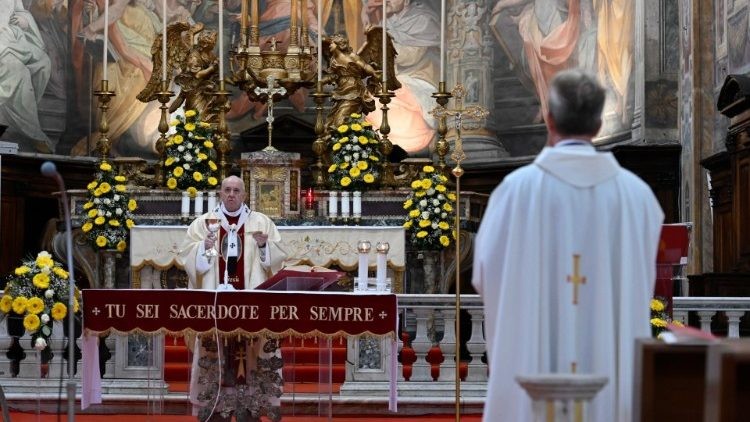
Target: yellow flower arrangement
[429,221]
[659,316]
[37,292]
[190,156]
[354,149]
[109,210]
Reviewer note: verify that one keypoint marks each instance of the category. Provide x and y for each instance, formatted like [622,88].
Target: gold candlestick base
[105,96]
[223,146]
[163,97]
[319,145]
[442,97]
[387,178]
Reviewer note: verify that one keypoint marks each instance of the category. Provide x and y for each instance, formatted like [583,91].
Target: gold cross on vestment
[576,278]
[239,356]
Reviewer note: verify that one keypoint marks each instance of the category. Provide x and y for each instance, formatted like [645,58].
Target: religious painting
[269,198]
[294,189]
[737,45]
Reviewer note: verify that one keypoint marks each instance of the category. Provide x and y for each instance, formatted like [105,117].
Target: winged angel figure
[357,77]
[190,56]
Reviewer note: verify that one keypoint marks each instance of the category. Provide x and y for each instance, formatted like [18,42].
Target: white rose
[118,211]
[431,191]
[99,213]
[49,293]
[435,202]
[365,154]
[443,214]
[45,318]
[107,201]
[423,203]
[434,225]
[436,210]
[176,159]
[116,197]
[425,215]
[45,270]
[109,214]
[188,157]
[181,148]
[186,166]
[355,155]
[441,196]
[96,200]
[197,151]
[189,145]
[347,158]
[40,343]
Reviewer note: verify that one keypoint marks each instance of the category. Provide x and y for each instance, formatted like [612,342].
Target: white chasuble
[571,201]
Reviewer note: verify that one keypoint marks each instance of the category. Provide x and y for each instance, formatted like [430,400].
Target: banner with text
[250,312]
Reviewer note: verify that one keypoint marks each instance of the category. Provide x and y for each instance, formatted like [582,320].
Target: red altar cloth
[268,313]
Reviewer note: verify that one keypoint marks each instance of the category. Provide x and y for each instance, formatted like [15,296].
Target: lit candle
[303,33]
[385,49]
[243,21]
[345,204]
[199,203]
[211,200]
[255,12]
[309,199]
[442,41]
[185,205]
[357,204]
[320,40]
[333,205]
[164,40]
[382,250]
[221,40]
[293,16]
[364,249]
[106,38]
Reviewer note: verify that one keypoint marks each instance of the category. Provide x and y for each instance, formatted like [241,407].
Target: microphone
[49,169]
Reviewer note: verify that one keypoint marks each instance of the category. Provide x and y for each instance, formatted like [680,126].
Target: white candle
[385,49]
[164,40]
[320,40]
[211,200]
[106,38]
[199,203]
[442,41]
[185,206]
[382,251]
[362,276]
[221,40]
[345,204]
[333,205]
[357,204]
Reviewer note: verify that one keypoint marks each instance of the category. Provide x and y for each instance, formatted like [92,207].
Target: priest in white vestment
[249,383]
[565,263]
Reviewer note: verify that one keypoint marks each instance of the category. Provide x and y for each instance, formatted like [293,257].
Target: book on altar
[313,279]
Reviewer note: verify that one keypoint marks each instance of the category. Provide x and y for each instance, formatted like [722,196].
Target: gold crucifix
[576,278]
[239,356]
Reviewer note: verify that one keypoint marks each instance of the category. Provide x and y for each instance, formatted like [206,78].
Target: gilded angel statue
[357,77]
[190,58]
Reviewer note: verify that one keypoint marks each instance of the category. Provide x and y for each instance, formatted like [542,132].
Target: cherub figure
[357,76]
[191,57]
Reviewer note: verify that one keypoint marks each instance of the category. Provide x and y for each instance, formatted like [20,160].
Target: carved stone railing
[708,309]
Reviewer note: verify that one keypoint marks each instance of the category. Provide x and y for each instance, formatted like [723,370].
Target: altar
[154,250]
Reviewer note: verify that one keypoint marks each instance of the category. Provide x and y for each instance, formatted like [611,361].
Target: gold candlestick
[105,95]
[442,147]
[319,146]
[223,147]
[386,177]
[163,97]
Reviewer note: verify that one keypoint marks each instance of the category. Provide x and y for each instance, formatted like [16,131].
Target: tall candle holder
[386,176]
[105,95]
[319,145]
[223,147]
[442,97]
[163,96]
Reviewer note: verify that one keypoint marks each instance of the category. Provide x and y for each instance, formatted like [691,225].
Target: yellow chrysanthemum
[114,223]
[451,196]
[35,305]
[343,140]
[88,205]
[58,311]
[356,127]
[447,207]
[205,124]
[212,165]
[443,225]
[44,259]
[336,147]
[189,127]
[100,220]
[177,139]
[60,273]
[213,181]
[105,187]
[445,241]
[362,165]
[407,225]
[355,115]
[428,169]
[120,178]
[208,144]
[22,270]
[369,178]
[345,181]
[76,305]
[6,303]
[419,194]
[192,191]
[97,192]
[169,161]
[174,122]
[121,245]
[31,322]
[414,213]
[354,172]
[366,124]
[343,128]
[408,203]
[332,168]
[363,140]
[416,184]
[87,226]
[92,185]
[440,188]
[120,188]
[426,183]
[105,166]
[41,280]
[197,176]
[129,223]
[424,223]
[101,241]
[658,322]
[178,171]
[421,234]
[19,305]
[92,213]
[190,113]
[374,157]
[202,156]
[657,305]
[171,183]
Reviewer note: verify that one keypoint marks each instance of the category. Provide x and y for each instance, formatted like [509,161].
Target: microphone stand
[49,170]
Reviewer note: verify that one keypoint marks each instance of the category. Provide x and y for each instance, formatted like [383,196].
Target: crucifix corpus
[270,90]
